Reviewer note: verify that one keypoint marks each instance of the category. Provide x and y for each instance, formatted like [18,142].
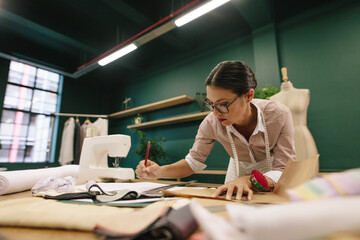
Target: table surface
[9,233]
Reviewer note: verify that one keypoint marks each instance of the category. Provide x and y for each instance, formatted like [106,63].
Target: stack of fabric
[328,186]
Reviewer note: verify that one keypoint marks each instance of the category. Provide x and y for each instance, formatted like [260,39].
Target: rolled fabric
[297,221]
[22,180]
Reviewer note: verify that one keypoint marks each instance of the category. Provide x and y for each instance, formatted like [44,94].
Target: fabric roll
[323,219]
[22,180]
[297,221]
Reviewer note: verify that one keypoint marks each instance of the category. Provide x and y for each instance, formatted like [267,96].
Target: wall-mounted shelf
[153,106]
[168,121]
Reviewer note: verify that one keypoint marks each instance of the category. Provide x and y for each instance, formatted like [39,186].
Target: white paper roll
[21,180]
[297,221]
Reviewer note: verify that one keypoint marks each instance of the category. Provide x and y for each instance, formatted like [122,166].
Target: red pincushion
[260,178]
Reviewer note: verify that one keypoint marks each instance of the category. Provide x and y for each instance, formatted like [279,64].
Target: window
[32,95]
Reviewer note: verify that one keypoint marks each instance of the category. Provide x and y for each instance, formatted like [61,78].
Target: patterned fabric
[330,185]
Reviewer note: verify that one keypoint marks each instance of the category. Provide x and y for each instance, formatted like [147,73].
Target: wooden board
[168,121]
[153,106]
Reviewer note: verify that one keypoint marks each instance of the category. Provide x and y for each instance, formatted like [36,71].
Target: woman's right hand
[152,171]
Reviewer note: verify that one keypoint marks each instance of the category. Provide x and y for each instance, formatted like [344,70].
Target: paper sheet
[214,227]
[296,221]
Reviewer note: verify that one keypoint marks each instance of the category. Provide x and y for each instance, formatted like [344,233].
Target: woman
[257,134]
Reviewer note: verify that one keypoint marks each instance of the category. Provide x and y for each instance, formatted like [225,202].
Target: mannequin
[297,100]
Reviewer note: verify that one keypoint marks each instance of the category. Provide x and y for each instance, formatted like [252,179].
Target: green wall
[185,76]
[322,53]
[266,55]
[320,48]
[81,96]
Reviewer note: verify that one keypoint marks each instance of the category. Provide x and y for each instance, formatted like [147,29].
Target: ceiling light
[118,54]
[199,12]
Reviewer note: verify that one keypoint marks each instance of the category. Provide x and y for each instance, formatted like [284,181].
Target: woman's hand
[239,186]
[152,171]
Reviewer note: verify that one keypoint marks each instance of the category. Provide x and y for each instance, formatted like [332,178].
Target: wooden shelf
[168,121]
[153,106]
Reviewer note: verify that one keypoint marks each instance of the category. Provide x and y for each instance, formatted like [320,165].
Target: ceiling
[68,34]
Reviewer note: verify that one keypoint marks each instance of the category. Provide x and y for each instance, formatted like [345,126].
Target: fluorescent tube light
[199,12]
[118,54]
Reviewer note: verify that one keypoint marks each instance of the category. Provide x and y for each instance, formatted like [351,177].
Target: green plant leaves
[266,92]
[156,152]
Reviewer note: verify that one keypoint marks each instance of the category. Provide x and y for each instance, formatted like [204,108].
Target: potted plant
[266,92]
[138,119]
[156,153]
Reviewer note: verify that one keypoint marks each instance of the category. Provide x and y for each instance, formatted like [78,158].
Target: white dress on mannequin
[297,100]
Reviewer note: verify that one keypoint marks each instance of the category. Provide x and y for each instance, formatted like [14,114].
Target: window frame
[51,143]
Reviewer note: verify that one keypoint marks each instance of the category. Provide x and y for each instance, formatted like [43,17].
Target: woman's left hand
[239,186]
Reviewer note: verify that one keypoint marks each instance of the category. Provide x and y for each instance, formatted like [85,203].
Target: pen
[147,153]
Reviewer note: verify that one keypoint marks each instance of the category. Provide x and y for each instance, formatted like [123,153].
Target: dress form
[297,100]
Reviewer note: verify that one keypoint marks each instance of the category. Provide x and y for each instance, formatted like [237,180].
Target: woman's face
[238,110]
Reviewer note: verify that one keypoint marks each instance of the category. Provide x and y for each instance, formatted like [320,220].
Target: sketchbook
[118,194]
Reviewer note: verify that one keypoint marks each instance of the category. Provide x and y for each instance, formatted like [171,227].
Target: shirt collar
[259,125]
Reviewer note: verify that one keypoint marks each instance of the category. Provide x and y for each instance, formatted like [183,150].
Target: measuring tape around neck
[267,148]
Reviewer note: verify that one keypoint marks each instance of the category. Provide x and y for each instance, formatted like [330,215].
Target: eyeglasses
[222,108]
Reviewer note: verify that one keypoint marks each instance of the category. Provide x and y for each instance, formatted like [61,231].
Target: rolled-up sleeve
[204,142]
[194,164]
[274,175]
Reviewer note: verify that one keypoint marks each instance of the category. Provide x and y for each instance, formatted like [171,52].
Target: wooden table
[15,233]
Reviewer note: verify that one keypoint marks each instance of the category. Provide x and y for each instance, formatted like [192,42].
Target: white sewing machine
[94,157]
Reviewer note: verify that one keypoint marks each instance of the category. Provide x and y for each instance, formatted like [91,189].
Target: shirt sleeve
[204,142]
[274,175]
[194,164]
[284,148]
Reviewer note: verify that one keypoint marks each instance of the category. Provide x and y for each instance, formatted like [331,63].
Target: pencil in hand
[147,153]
